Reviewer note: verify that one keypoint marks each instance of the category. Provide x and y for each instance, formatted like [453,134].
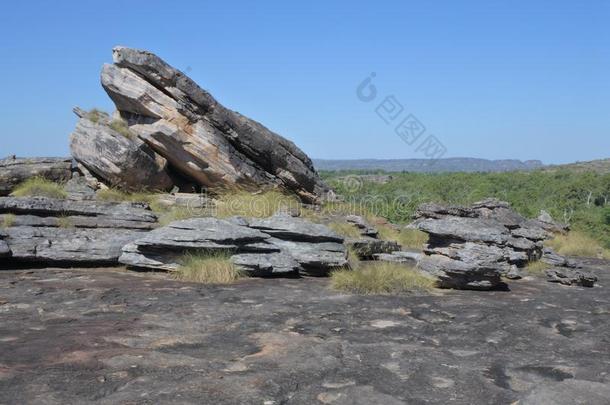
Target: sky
[487,79]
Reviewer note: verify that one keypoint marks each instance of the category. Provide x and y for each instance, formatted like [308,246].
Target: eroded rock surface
[472,247]
[14,171]
[46,230]
[118,159]
[201,139]
[263,247]
[113,337]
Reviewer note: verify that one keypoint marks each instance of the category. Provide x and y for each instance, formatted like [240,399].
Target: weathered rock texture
[118,159]
[203,140]
[263,247]
[45,230]
[14,171]
[471,247]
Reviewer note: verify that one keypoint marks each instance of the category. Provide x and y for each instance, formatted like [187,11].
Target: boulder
[200,138]
[367,248]
[363,226]
[118,159]
[14,171]
[262,247]
[471,243]
[568,276]
[460,275]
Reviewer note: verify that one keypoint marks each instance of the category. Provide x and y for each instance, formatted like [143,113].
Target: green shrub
[39,187]
[381,278]
[208,268]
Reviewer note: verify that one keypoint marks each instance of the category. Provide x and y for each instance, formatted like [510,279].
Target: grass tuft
[576,243]
[64,222]
[8,220]
[39,187]
[120,126]
[381,278]
[95,115]
[208,268]
[407,238]
[537,267]
[259,205]
[345,229]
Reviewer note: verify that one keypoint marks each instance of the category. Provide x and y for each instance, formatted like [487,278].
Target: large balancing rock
[203,140]
[119,159]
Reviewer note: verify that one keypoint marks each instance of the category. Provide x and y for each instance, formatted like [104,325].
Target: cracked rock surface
[109,336]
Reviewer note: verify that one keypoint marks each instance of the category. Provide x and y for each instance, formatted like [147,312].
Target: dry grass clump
[345,229]
[576,243]
[39,187]
[64,222]
[7,220]
[95,115]
[537,267]
[208,268]
[381,278]
[255,205]
[407,238]
[120,126]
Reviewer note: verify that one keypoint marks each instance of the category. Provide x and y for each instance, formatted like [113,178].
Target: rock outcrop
[263,247]
[45,230]
[116,156]
[14,171]
[567,276]
[472,247]
[201,139]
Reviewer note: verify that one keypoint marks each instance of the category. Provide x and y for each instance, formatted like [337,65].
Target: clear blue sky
[491,79]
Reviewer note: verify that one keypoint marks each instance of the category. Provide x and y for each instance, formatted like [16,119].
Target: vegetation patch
[94,115]
[381,278]
[254,205]
[120,126]
[537,267]
[7,220]
[345,229]
[64,222]
[39,187]
[407,238]
[577,243]
[208,268]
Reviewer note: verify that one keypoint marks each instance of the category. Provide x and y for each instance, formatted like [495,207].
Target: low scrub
[381,278]
[208,268]
[7,220]
[576,243]
[256,205]
[39,187]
